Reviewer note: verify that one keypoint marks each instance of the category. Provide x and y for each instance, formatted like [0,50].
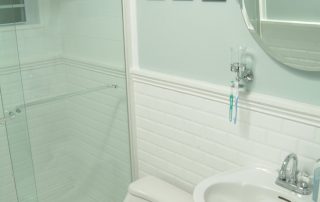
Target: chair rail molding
[270,105]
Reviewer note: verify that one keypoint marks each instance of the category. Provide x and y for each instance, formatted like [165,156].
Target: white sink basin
[253,184]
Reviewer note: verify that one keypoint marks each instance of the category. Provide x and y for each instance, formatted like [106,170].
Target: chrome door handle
[11,115]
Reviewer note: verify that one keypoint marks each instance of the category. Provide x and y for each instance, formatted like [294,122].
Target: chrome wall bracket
[242,72]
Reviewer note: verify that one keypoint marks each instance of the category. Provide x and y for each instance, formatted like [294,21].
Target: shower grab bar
[12,115]
[65,96]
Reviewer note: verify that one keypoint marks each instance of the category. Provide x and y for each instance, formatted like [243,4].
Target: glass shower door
[17,182]
[65,125]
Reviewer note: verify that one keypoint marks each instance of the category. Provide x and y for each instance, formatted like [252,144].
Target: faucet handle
[303,185]
[304,180]
[302,175]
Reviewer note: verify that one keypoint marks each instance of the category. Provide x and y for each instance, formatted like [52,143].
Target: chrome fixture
[294,170]
[12,114]
[294,181]
[242,72]
[239,64]
[68,95]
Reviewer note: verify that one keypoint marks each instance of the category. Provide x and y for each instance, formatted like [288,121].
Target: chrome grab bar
[67,95]
[12,114]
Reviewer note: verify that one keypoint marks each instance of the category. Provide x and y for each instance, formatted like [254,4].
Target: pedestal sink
[252,184]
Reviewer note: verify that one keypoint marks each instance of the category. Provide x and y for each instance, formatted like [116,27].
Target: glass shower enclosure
[63,117]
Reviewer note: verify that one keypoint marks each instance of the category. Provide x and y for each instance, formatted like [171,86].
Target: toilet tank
[152,189]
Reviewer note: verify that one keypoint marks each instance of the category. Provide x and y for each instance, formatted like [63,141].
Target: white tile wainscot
[183,132]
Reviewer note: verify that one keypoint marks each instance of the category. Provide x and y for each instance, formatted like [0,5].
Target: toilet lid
[155,190]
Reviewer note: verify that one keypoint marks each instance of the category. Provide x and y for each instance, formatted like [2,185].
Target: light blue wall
[192,39]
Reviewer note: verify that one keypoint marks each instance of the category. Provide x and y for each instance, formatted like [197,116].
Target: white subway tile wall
[317,135]
[184,138]
[7,189]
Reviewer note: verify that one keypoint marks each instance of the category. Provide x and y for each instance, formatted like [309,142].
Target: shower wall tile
[183,138]
[8,54]
[43,127]
[48,129]
[99,132]
[48,80]
[42,41]
[76,137]
[38,44]
[104,51]
[94,37]
[7,187]
[66,136]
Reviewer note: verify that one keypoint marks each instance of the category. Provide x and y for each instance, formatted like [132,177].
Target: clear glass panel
[75,90]
[16,159]
[7,186]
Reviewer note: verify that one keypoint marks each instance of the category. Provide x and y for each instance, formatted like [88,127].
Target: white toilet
[152,189]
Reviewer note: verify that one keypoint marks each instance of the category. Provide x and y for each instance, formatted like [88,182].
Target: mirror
[288,30]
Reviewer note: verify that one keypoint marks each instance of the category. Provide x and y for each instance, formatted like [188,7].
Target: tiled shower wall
[184,138]
[66,135]
[80,138]
[73,140]
[7,189]
[100,137]
[92,31]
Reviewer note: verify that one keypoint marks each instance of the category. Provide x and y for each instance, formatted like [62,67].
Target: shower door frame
[129,17]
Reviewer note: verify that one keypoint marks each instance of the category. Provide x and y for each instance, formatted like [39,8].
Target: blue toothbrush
[231,102]
[236,102]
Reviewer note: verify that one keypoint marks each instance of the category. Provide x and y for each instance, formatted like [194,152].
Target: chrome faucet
[290,180]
